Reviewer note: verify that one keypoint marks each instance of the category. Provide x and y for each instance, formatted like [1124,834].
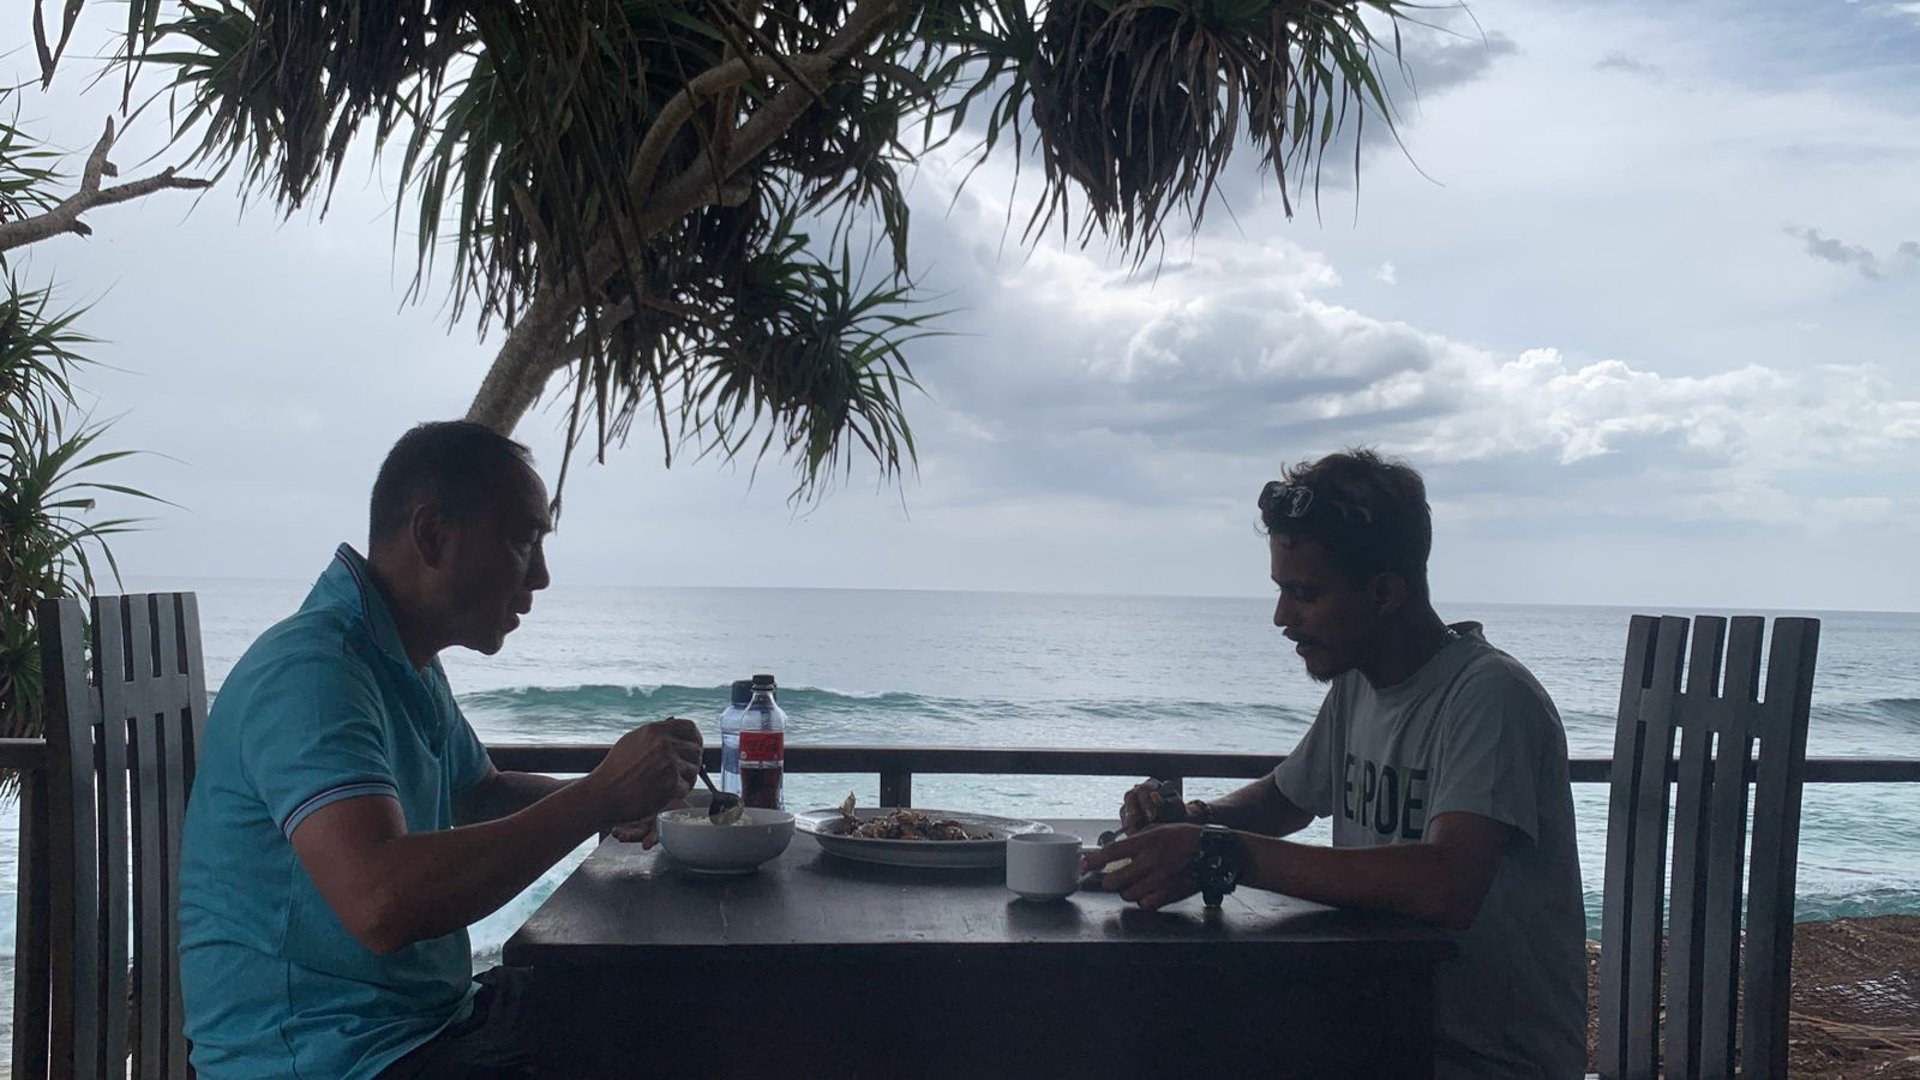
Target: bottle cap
[741,693]
[763,682]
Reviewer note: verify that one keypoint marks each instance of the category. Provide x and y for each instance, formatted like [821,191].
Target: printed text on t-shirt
[1390,798]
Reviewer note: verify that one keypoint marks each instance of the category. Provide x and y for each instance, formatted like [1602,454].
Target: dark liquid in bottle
[761,786]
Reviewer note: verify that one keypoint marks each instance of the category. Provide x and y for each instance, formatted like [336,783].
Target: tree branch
[65,216]
[540,344]
[706,181]
[674,115]
[695,187]
[726,104]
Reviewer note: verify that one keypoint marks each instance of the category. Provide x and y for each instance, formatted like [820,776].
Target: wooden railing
[895,765]
[28,760]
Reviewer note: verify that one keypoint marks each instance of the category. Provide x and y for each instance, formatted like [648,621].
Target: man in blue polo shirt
[346,825]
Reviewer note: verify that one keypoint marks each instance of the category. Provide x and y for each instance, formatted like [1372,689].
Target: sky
[1638,290]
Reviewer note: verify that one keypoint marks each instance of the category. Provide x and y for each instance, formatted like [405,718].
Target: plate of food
[895,836]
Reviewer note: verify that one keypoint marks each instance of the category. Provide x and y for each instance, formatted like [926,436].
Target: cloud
[1905,257]
[1140,388]
[1440,60]
[1837,252]
[1435,60]
[1385,274]
[1622,62]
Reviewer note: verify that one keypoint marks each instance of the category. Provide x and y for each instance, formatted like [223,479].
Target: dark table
[814,966]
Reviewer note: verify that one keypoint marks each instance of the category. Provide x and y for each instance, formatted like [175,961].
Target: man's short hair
[1369,513]
[454,465]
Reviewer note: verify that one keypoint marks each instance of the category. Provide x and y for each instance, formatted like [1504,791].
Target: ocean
[1007,669]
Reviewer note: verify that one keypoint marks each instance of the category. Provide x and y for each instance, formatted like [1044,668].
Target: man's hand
[1146,804]
[1157,873]
[648,769]
[646,831]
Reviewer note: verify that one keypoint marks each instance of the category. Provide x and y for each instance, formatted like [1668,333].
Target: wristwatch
[1217,866]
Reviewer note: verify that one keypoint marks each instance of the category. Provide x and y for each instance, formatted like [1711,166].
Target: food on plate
[903,825]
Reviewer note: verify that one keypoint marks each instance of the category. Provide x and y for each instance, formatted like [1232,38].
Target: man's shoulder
[1489,671]
[1490,662]
[316,645]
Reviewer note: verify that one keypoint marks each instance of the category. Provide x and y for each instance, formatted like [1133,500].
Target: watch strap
[1217,864]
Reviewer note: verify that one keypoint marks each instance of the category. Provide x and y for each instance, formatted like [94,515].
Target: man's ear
[427,528]
[1388,591]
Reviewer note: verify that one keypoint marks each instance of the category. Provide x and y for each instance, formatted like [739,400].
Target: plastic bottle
[763,747]
[730,734]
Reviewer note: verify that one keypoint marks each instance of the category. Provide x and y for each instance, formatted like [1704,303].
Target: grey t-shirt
[1471,731]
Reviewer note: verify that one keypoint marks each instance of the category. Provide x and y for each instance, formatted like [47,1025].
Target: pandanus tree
[52,526]
[670,203]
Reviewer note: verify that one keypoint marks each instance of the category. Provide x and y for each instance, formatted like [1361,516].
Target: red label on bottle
[763,746]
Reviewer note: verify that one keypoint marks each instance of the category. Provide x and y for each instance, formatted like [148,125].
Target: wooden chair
[122,731]
[1730,735]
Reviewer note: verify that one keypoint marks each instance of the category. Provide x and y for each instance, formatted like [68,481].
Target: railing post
[896,787]
[32,923]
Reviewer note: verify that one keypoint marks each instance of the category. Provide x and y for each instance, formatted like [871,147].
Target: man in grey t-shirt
[1440,759]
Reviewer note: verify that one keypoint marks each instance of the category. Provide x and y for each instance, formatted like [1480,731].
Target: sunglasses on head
[1281,498]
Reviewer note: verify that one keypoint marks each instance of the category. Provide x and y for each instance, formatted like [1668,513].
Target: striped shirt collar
[350,579]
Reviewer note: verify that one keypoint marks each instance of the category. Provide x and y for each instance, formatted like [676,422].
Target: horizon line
[1645,608]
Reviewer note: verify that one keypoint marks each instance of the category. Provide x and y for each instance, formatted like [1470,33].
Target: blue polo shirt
[325,706]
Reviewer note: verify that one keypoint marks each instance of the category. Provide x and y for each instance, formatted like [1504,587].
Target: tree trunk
[532,353]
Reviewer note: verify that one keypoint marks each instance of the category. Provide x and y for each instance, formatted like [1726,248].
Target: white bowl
[705,848]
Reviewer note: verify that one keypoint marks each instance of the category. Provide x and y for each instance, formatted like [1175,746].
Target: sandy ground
[1856,999]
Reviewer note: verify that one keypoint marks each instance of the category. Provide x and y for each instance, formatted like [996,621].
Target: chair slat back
[72,709]
[1688,940]
[129,724]
[1781,728]
[1693,818]
[1640,753]
[33,917]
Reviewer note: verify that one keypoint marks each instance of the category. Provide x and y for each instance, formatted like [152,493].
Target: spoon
[725,807]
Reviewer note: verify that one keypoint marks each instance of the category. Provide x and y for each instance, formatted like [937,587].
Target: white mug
[1043,866]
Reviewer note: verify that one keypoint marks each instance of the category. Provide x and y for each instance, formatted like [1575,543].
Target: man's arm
[499,794]
[1259,807]
[1442,880]
[391,888]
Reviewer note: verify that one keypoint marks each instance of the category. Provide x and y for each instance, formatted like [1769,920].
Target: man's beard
[1325,674]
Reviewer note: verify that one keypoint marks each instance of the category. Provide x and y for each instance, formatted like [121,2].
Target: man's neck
[1405,649]
[410,618]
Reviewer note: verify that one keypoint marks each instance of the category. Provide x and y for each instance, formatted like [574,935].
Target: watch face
[1218,839]
[1216,866]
